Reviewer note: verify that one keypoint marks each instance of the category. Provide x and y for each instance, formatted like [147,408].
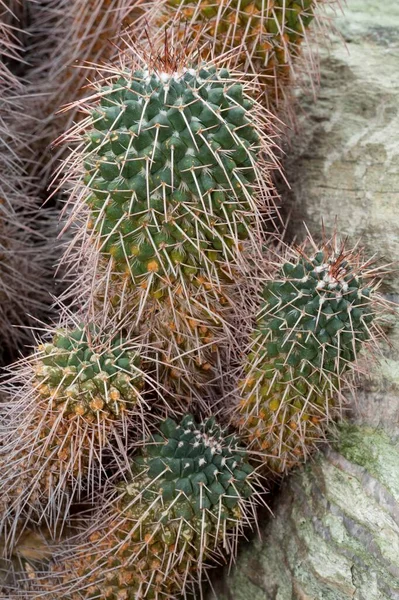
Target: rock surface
[336,531]
[335,534]
[344,162]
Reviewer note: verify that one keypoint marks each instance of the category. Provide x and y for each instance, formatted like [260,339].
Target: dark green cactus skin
[189,488]
[317,314]
[316,303]
[196,464]
[84,381]
[170,168]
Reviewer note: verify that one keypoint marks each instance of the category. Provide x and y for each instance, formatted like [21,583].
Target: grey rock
[336,531]
[343,162]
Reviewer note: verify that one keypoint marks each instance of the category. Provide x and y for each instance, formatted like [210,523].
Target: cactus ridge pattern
[171,172]
[66,404]
[319,311]
[264,36]
[191,489]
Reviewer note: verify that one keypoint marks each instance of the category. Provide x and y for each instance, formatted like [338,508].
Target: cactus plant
[191,489]
[319,311]
[170,171]
[263,36]
[175,183]
[26,238]
[67,402]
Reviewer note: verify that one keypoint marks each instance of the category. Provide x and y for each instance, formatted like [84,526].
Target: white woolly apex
[211,442]
[329,280]
[202,462]
[166,77]
[321,268]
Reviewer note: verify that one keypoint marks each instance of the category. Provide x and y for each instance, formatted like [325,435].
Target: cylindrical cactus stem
[175,181]
[263,36]
[70,407]
[190,494]
[319,312]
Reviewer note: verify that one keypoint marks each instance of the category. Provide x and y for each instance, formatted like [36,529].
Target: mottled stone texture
[335,534]
[344,162]
[336,531]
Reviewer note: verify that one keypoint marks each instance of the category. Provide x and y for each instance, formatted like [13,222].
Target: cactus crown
[317,313]
[83,377]
[190,485]
[196,465]
[170,167]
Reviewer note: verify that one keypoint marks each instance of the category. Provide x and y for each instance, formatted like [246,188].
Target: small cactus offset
[66,404]
[319,311]
[264,36]
[190,491]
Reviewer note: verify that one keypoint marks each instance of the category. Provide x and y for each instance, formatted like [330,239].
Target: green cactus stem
[190,491]
[63,406]
[319,311]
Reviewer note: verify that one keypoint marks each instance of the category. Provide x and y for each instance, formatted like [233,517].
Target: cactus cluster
[172,208]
